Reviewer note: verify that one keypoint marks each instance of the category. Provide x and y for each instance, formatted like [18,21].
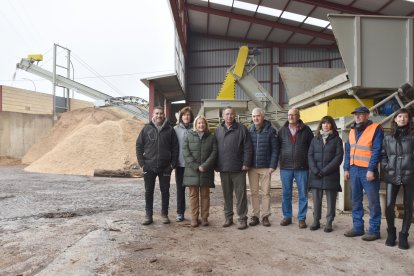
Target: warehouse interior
[288,33]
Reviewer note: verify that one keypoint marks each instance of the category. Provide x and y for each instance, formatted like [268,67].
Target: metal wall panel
[209,60]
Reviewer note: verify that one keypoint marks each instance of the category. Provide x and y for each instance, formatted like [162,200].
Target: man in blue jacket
[264,163]
[362,155]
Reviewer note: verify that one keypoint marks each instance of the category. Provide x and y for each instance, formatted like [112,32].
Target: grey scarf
[325,135]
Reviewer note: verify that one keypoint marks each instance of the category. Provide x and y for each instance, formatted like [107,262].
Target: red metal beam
[336,6]
[259,21]
[264,43]
[179,26]
[151,99]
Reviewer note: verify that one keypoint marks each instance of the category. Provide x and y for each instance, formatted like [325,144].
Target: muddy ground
[75,225]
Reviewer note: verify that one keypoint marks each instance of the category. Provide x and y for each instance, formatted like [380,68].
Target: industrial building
[323,57]
[288,33]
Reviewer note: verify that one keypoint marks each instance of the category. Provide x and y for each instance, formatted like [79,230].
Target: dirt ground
[77,225]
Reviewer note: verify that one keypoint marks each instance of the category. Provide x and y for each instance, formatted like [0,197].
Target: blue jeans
[301,177]
[359,184]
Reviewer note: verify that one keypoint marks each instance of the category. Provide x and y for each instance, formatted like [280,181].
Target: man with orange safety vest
[362,155]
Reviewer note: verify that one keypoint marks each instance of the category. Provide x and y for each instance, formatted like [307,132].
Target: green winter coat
[199,152]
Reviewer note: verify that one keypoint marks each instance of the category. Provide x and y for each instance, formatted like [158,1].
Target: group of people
[312,161]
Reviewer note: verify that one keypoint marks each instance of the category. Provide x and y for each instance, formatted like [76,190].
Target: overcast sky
[123,40]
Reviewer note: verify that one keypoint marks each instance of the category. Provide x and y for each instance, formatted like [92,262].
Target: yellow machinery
[228,89]
[240,73]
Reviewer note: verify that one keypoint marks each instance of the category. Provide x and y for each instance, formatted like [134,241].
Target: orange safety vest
[361,151]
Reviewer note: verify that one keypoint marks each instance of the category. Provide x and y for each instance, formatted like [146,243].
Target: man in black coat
[234,158]
[157,154]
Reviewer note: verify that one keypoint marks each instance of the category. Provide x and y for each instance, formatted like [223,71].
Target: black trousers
[179,176]
[164,180]
[392,192]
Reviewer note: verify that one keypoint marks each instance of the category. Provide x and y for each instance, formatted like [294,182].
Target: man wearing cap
[362,155]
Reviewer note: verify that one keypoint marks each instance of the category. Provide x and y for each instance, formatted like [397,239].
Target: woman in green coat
[200,152]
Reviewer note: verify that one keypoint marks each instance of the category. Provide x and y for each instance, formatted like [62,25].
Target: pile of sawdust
[85,140]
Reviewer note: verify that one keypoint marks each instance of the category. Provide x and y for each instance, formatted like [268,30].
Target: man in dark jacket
[362,155]
[234,159]
[294,140]
[265,155]
[157,154]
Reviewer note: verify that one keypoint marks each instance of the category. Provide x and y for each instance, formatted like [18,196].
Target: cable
[109,84]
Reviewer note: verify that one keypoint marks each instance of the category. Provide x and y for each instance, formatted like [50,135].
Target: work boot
[286,222]
[402,241]
[165,219]
[371,237]
[147,220]
[302,224]
[391,237]
[350,233]
[328,227]
[315,225]
[254,221]
[265,221]
[242,224]
[204,222]
[228,222]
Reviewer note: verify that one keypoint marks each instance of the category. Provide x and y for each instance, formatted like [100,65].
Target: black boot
[403,242]
[392,236]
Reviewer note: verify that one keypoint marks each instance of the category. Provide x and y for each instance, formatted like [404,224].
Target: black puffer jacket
[324,162]
[397,158]
[157,150]
[294,156]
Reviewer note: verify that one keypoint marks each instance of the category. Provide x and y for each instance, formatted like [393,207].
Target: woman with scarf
[200,152]
[325,156]
[397,159]
[185,123]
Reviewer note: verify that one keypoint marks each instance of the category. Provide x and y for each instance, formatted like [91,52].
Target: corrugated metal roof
[279,23]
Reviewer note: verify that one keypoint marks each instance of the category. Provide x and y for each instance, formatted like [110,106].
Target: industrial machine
[240,73]
[134,105]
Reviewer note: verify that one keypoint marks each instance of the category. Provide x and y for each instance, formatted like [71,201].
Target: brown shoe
[194,222]
[204,222]
[228,222]
[350,233]
[254,221]
[371,237]
[286,222]
[265,221]
[302,224]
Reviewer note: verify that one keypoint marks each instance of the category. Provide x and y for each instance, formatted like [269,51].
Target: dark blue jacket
[376,149]
[265,146]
